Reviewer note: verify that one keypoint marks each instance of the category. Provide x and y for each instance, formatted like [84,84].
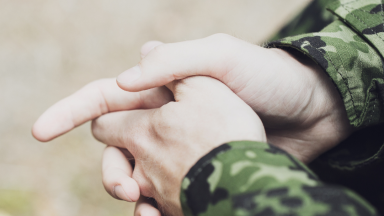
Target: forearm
[352,57]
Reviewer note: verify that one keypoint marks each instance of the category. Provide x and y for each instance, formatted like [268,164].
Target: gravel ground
[51,48]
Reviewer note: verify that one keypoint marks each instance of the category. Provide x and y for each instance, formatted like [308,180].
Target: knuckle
[164,119]
[97,128]
[221,37]
[227,49]
[159,116]
[157,127]
[156,54]
[137,145]
[100,128]
[159,49]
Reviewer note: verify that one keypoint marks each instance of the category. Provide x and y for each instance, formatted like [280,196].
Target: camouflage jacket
[251,178]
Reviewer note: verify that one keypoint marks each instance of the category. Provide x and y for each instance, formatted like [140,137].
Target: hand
[298,104]
[96,99]
[166,142]
[117,172]
[93,100]
[305,132]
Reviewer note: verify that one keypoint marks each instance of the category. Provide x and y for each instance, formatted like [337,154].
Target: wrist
[322,117]
[327,99]
[328,103]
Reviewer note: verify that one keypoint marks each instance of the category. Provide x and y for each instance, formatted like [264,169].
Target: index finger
[92,101]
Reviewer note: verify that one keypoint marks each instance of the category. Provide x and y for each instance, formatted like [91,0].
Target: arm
[253,178]
[350,51]
[239,178]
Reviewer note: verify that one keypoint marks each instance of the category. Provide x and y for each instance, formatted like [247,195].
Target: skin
[167,141]
[299,106]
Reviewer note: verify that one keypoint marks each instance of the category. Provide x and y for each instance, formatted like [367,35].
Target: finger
[213,56]
[93,100]
[145,207]
[147,47]
[121,128]
[129,156]
[117,173]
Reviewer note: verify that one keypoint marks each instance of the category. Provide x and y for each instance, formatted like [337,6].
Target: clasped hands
[184,99]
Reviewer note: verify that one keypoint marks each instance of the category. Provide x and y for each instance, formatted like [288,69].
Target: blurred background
[51,48]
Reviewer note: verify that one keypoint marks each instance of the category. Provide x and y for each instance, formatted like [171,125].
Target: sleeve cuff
[355,67]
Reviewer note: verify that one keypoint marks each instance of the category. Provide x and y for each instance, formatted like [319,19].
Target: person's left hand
[98,98]
[166,142]
[93,100]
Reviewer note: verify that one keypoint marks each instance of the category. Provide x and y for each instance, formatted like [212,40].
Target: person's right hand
[300,107]
[166,142]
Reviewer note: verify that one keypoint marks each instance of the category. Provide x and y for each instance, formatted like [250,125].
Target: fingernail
[130,75]
[120,193]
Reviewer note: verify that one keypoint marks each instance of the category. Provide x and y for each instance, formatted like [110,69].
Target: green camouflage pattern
[365,17]
[351,50]
[258,179]
[312,19]
[354,66]
[251,178]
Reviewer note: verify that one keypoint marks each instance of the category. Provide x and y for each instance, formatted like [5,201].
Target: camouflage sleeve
[257,179]
[350,50]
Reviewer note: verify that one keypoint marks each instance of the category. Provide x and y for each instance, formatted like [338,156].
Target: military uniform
[253,178]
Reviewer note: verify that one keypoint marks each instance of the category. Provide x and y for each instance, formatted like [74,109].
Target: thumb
[147,47]
[117,175]
[212,56]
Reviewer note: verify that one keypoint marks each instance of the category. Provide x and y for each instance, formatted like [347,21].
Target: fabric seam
[362,21]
